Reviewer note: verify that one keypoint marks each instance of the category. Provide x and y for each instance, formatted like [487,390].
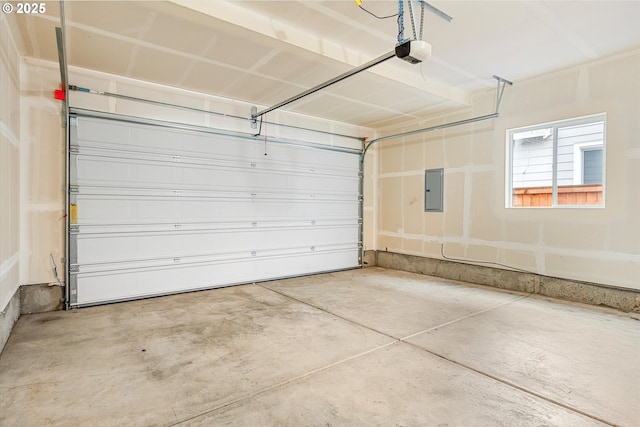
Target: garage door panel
[228,257]
[117,172]
[97,133]
[131,284]
[113,210]
[161,210]
[233,225]
[123,247]
[115,134]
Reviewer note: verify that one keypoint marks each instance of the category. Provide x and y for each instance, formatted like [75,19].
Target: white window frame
[557,124]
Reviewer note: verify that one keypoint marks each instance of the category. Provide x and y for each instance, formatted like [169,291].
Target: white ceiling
[265,51]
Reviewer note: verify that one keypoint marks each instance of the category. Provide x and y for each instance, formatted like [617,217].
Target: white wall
[10,150]
[600,245]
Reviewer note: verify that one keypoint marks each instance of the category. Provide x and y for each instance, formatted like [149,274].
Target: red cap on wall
[58,94]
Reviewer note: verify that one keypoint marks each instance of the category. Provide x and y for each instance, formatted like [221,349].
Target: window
[557,164]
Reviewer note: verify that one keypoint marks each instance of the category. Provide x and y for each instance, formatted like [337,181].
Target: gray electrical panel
[433,190]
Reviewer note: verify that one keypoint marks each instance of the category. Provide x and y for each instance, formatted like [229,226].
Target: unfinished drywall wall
[43,139]
[9,177]
[600,245]
[42,178]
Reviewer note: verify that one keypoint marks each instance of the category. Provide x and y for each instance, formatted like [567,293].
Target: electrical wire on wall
[55,272]
[475,261]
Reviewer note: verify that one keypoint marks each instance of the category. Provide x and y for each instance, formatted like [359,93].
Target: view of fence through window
[558,164]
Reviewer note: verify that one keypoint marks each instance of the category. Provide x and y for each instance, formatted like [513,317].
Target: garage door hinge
[74,228]
[74,189]
[74,149]
[74,269]
[73,121]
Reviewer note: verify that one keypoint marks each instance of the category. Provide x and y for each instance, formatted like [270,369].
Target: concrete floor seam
[284,383]
[329,312]
[515,386]
[487,375]
[466,316]
[256,356]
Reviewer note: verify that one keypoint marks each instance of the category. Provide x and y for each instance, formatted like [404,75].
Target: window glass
[557,164]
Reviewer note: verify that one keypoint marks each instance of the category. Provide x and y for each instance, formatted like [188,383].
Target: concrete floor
[369,347]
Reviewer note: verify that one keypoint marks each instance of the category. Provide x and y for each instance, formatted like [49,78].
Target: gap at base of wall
[563,289]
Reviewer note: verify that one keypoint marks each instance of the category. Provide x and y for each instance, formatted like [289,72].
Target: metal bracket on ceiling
[502,83]
[417,32]
[435,10]
[254,117]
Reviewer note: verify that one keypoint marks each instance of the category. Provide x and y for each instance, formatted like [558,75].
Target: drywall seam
[376,191]
[143,30]
[25,124]
[547,250]
[469,168]
[237,15]
[400,174]
[466,210]
[577,68]
[14,45]
[6,266]
[14,76]
[402,189]
[4,57]
[9,297]
[194,57]
[539,252]
[559,27]
[8,133]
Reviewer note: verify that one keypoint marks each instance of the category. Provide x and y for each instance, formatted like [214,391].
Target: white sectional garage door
[156,209]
